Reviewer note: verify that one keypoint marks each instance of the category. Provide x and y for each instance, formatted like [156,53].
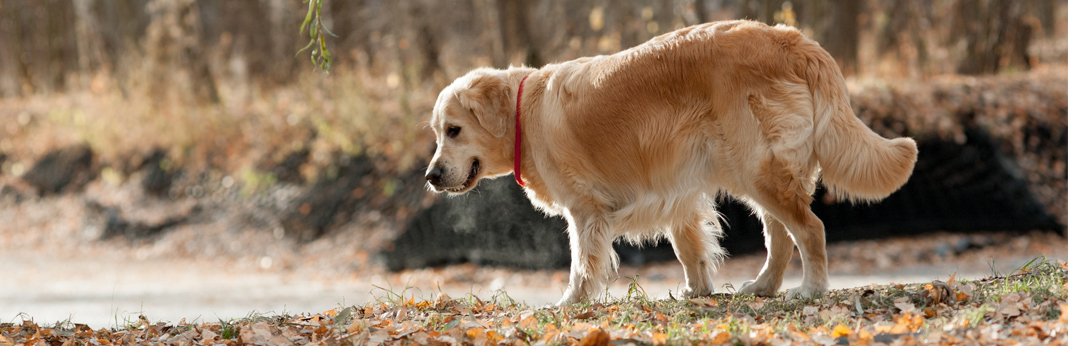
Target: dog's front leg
[592,257]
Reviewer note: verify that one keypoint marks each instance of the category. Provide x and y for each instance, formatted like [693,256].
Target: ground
[1027,305]
[226,263]
[206,272]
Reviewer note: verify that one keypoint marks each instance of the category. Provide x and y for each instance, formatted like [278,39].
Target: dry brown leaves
[1028,307]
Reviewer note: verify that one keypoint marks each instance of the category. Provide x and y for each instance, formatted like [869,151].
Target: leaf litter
[1030,306]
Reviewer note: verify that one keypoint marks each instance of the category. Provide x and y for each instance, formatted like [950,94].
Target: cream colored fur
[637,144]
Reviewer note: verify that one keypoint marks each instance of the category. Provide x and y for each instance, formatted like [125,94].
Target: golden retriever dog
[638,144]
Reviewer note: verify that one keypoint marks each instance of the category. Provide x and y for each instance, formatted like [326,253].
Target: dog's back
[720,98]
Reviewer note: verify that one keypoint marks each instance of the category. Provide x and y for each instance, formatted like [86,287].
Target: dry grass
[349,112]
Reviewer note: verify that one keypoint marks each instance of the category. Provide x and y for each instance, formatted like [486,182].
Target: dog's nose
[434,176]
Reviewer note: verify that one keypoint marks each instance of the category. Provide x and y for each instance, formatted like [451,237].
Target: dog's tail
[858,164]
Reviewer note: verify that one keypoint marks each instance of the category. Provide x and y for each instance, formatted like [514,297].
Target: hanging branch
[320,55]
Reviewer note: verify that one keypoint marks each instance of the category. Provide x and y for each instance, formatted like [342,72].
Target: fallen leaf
[478,335]
[659,338]
[905,307]
[526,323]
[824,339]
[420,338]
[704,302]
[550,334]
[907,322]
[208,335]
[444,339]
[861,337]
[833,313]
[262,330]
[1010,305]
[595,337]
[720,337]
[839,331]
[585,315]
[493,337]
[378,337]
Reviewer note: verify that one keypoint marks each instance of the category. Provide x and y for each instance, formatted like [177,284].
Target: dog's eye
[452,131]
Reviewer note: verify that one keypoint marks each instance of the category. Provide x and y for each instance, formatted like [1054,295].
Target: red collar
[519,135]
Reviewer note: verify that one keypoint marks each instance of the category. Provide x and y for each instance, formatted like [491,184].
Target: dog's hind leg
[592,256]
[782,187]
[780,249]
[808,234]
[696,244]
[786,196]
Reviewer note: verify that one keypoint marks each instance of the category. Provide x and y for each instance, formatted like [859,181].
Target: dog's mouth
[472,176]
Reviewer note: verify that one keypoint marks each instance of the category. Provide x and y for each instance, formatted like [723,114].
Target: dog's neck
[527,121]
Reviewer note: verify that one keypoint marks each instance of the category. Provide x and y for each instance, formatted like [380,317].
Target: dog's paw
[805,293]
[571,296]
[751,288]
[690,293]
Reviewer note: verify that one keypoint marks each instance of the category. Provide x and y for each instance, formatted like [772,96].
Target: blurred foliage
[55,45]
[218,86]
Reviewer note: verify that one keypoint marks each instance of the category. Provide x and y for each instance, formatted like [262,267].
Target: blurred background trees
[54,45]
[209,101]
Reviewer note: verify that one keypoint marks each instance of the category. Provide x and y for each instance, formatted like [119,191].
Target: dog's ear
[488,98]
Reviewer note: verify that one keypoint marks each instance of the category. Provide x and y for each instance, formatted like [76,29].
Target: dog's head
[470,121]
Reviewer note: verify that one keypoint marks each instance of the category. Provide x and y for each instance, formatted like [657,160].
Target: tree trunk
[515,31]
[841,37]
[493,30]
[88,40]
[175,48]
[995,34]
[700,11]
[11,68]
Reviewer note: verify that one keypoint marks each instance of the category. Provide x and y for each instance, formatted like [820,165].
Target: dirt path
[110,290]
[210,271]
